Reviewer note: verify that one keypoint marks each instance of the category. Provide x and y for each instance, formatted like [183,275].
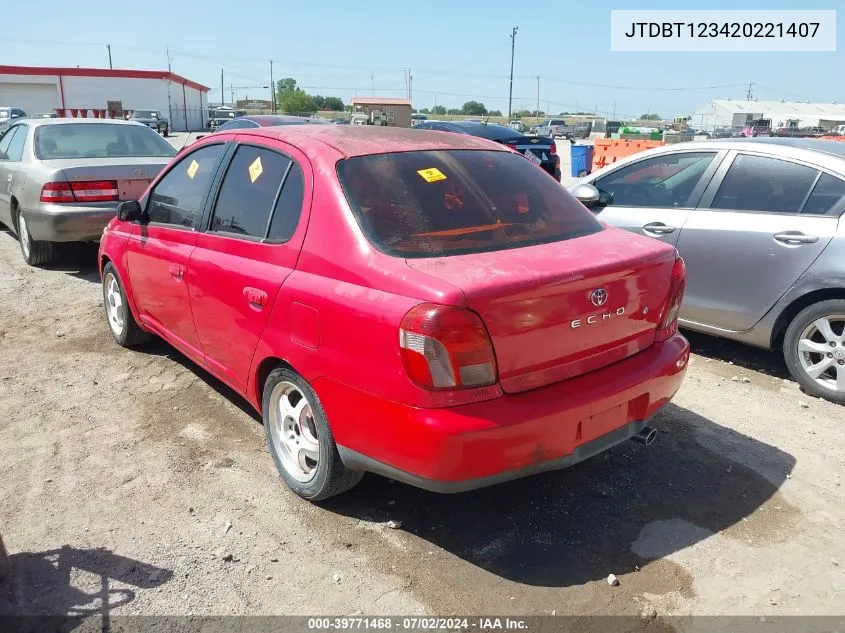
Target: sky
[456,51]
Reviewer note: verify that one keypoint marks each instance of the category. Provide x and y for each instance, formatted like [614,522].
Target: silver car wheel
[294,431]
[23,236]
[114,305]
[821,351]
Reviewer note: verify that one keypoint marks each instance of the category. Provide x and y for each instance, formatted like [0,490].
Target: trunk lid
[539,303]
[133,175]
[537,149]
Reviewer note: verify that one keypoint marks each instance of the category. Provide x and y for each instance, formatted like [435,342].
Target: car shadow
[617,511]
[159,347]
[77,259]
[48,584]
[753,358]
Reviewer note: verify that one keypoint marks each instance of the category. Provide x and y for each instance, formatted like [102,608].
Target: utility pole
[373,84]
[167,49]
[537,112]
[410,86]
[435,103]
[272,89]
[613,118]
[222,90]
[108,46]
[510,91]
[749,95]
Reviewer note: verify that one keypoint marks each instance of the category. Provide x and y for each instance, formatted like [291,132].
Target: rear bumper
[66,223]
[471,446]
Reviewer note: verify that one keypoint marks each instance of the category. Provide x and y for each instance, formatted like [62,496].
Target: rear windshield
[99,140]
[145,114]
[493,132]
[437,203]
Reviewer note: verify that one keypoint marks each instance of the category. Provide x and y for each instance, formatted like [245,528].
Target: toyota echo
[427,306]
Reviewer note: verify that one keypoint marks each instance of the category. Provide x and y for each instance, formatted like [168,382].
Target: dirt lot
[132,482]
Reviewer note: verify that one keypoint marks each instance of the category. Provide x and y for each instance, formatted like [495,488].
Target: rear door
[158,251]
[249,248]
[10,143]
[764,220]
[654,196]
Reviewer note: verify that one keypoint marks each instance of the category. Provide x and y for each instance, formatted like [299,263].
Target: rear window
[493,132]
[99,140]
[438,203]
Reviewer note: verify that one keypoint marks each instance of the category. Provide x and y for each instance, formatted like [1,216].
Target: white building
[730,113]
[105,92]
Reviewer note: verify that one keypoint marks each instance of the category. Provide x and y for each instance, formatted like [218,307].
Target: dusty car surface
[431,307]
[63,178]
[759,224]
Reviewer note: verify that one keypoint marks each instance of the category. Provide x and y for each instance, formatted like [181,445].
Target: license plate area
[604,422]
[534,158]
[132,189]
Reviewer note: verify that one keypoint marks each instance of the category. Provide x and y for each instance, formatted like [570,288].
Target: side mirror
[129,211]
[586,194]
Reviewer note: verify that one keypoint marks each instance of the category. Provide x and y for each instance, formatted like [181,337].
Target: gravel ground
[135,483]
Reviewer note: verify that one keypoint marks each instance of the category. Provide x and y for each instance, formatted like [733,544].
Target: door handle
[256,298]
[795,237]
[176,271]
[658,228]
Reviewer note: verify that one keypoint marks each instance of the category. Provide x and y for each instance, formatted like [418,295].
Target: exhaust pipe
[646,436]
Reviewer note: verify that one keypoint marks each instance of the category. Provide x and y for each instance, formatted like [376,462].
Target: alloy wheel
[821,352]
[294,432]
[23,236]
[114,304]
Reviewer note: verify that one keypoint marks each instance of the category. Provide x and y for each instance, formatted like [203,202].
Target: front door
[240,263]
[159,250]
[765,223]
[654,196]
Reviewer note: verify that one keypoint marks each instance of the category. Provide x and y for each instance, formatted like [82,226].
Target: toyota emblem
[141,172]
[598,297]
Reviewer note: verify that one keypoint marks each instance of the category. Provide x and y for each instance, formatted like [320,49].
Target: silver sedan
[61,180]
[759,224]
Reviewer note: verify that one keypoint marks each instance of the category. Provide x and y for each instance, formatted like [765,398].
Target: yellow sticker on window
[255,169]
[431,174]
[193,168]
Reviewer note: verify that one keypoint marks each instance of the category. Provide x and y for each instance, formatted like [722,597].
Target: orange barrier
[833,138]
[609,150]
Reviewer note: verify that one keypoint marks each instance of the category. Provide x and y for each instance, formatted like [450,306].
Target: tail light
[57,192]
[445,347]
[553,149]
[86,191]
[669,319]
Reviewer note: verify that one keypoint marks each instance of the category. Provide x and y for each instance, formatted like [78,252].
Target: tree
[424,111]
[296,102]
[474,108]
[454,111]
[320,102]
[438,110]
[334,103]
[650,117]
[288,84]
[495,113]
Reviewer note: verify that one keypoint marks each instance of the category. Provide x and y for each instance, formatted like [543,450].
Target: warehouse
[81,91]
[382,111]
[728,113]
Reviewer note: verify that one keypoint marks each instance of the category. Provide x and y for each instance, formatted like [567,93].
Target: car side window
[14,153]
[661,181]
[289,206]
[827,197]
[249,191]
[5,140]
[760,183]
[178,197]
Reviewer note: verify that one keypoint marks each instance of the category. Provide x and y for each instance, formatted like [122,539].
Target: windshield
[145,114]
[438,203]
[4,114]
[99,140]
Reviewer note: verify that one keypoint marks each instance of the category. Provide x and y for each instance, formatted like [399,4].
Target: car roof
[67,121]
[271,119]
[363,140]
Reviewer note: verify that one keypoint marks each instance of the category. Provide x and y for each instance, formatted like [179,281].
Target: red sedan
[424,305]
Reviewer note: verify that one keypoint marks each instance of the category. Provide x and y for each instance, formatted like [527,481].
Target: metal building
[736,113]
[92,92]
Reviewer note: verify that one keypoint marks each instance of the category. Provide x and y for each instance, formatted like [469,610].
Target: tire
[166,131]
[122,325]
[808,342]
[4,562]
[35,252]
[286,403]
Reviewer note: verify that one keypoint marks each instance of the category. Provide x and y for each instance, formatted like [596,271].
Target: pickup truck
[153,119]
[555,127]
